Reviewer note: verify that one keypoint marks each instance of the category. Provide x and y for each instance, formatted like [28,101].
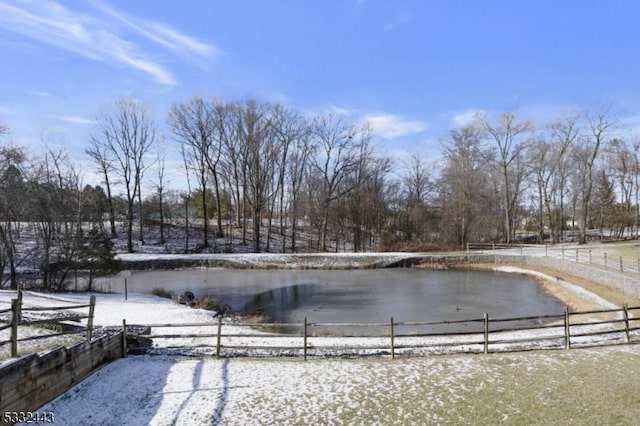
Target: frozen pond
[361,296]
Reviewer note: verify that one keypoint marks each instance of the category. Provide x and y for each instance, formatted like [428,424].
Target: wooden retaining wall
[28,382]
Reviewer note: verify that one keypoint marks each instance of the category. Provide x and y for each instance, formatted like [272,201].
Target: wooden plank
[526,339]
[54,308]
[195,336]
[486,333]
[92,307]
[219,339]
[15,319]
[46,376]
[304,344]
[393,352]
[541,327]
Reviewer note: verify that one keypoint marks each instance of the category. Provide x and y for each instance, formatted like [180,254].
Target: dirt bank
[579,294]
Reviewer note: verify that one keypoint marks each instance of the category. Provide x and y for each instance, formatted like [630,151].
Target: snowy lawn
[584,386]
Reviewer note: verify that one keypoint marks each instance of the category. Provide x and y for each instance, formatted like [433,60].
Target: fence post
[19,305]
[605,259]
[15,313]
[126,291]
[546,250]
[486,333]
[304,350]
[567,331]
[393,347]
[590,261]
[219,340]
[92,308]
[124,338]
[626,321]
[621,265]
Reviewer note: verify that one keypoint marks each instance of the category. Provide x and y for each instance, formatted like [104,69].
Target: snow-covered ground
[597,301]
[169,390]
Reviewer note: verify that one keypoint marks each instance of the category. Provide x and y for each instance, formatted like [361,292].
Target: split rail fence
[55,318]
[572,254]
[477,335]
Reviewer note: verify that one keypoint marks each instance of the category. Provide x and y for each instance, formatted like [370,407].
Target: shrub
[161,292]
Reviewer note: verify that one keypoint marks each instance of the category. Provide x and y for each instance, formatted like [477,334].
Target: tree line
[277,180]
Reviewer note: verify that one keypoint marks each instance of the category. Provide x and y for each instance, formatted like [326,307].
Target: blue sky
[413,68]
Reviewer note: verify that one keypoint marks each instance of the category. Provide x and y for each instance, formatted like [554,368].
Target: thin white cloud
[327,109]
[41,94]
[391,126]
[161,34]
[465,118]
[95,37]
[75,119]
[337,110]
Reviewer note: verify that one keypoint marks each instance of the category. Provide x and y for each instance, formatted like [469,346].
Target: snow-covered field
[560,387]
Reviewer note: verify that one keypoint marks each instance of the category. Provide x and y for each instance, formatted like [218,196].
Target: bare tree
[620,164]
[332,164]
[302,151]
[365,200]
[262,150]
[225,130]
[468,204]
[160,190]
[636,180]
[507,133]
[186,198]
[56,213]
[417,184]
[193,123]
[600,126]
[128,133]
[546,158]
[13,207]
[99,152]
[232,162]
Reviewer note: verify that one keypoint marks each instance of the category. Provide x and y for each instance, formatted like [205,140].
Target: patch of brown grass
[208,303]
[161,292]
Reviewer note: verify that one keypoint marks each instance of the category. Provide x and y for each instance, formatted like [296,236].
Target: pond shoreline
[572,291]
[345,261]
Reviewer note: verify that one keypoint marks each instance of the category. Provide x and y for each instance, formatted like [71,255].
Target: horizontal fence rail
[56,318]
[481,335]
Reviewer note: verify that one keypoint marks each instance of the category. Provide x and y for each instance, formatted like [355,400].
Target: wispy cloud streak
[96,37]
[161,34]
[75,119]
[390,126]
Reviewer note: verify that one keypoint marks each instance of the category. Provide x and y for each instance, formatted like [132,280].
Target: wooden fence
[32,380]
[53,317]
[475,335]
[574,254]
